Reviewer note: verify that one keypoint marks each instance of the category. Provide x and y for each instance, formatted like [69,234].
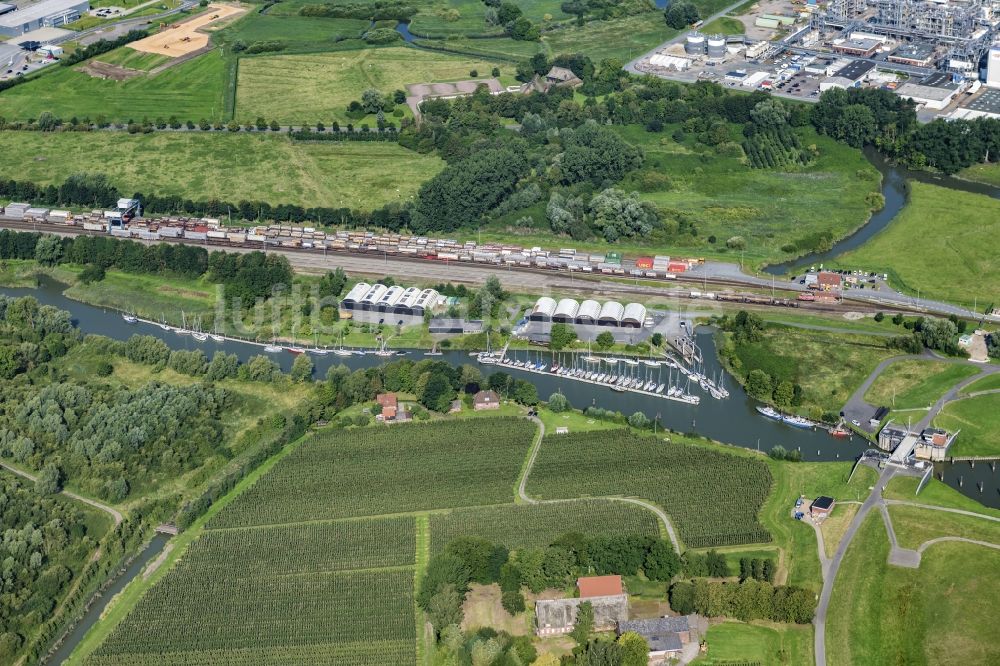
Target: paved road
[927,544]
[522,493]
[873,500]
[94,503]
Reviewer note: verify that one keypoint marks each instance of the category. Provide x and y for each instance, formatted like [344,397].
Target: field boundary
[229,95]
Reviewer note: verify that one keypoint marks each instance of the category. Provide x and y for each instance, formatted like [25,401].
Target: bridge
[904,450]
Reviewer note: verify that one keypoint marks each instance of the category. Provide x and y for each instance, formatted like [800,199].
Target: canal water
[896,191]
[733,420]
[93,614]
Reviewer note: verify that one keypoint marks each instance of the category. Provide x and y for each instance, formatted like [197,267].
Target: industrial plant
[944,55]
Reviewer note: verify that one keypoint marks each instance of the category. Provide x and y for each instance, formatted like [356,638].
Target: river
[733,421]
[895,189]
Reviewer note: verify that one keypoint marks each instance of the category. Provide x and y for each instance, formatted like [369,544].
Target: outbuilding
[822,506]
[485,400]
[566,311]
[544,308]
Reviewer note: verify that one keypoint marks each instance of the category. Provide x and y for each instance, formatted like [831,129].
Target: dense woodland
[44,541]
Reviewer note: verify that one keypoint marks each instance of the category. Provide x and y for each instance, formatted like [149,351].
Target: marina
[734,421]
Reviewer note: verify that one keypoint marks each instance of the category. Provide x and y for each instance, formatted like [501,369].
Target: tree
[525,393]
[302,368]
[48,250]
[49,481]
[682,597]
[442,571]
[438,393]
[784,393]
[605,341]
[445,608]
[559,403]
[561,336]
[678,15]
[656,339]
[584,623]
[662,562]
[372,100]
[759,384]
[634,648]
[717,565]
[638,420]
[512,602]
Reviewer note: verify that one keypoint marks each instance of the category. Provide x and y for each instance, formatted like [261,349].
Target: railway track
[380,264]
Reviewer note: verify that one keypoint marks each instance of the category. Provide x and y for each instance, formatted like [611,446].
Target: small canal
[733,421]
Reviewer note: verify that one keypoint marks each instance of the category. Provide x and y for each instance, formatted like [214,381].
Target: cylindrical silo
[694,44]
[716,46]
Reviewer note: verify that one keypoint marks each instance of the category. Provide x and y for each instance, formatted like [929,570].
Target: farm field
[205,165]
[828,366]
[740,643]
[443,465]
[712,497]
[538,525]
[916,384]
[128,57]
[304,89]
[979,420]
[297,33]
[189,91]
[940,613]
[957,259]
[623,38]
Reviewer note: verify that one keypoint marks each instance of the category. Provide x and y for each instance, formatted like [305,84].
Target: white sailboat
[340,351]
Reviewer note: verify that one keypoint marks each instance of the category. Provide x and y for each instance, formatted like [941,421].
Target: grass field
[987,383]
[538,525]
[915,526]
[127,57]
[725,25]
[227,166]
[979,420]
[958,256]
[439,466]
[796,538]
[711,497]
[935,493]
[738,643]
[190,91]
[828,366]
[307,88]
[914,384]
[940,613]
[298,33]
[983,173]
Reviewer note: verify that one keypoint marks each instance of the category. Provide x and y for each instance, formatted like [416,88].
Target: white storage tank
[716,46]
[694,44]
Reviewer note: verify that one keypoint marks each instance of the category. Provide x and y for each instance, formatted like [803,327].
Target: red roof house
[599,586]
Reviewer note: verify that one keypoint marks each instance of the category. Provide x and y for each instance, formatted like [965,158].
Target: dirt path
[94,503]
[522,493]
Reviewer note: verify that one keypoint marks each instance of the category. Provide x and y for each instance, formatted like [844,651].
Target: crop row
[314,547]
[538,525]
[193,611]
[712,497]
[376,471]
[362,653]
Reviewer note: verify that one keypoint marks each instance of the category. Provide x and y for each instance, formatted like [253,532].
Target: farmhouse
[604,593]
[389,404]
[486,400]
[666,636]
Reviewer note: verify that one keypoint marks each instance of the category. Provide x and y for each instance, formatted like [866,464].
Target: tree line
[749,599]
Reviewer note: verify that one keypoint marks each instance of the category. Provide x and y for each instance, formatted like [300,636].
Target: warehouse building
[379,304]
[920,54]
[45,14]
[934,92]
[588,313]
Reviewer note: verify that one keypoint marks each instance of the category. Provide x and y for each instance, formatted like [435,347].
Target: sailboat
[129,318]
[434,350]
[272,348]
[316,349]
[197,333]
[382,351]
[340,351]
[183,329]
[590,358]
[215,334]
[163,323]
[294,348]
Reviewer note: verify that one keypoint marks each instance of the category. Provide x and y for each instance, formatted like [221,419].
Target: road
[527,499]
[873,500]
[114,513]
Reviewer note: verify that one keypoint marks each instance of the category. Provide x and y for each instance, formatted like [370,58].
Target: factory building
[45,14]
[379,304]
[993,67]
[915,55]
[861,48]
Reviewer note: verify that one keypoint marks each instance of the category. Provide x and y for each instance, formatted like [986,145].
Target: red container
[674,267]
[644,262]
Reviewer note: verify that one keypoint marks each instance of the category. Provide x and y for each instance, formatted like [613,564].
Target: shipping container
[216,235]
[644,262]
[613,258]
[195,235]
[676,267]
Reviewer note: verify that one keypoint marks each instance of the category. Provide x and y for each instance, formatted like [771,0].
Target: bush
[104,369]
[512,602]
